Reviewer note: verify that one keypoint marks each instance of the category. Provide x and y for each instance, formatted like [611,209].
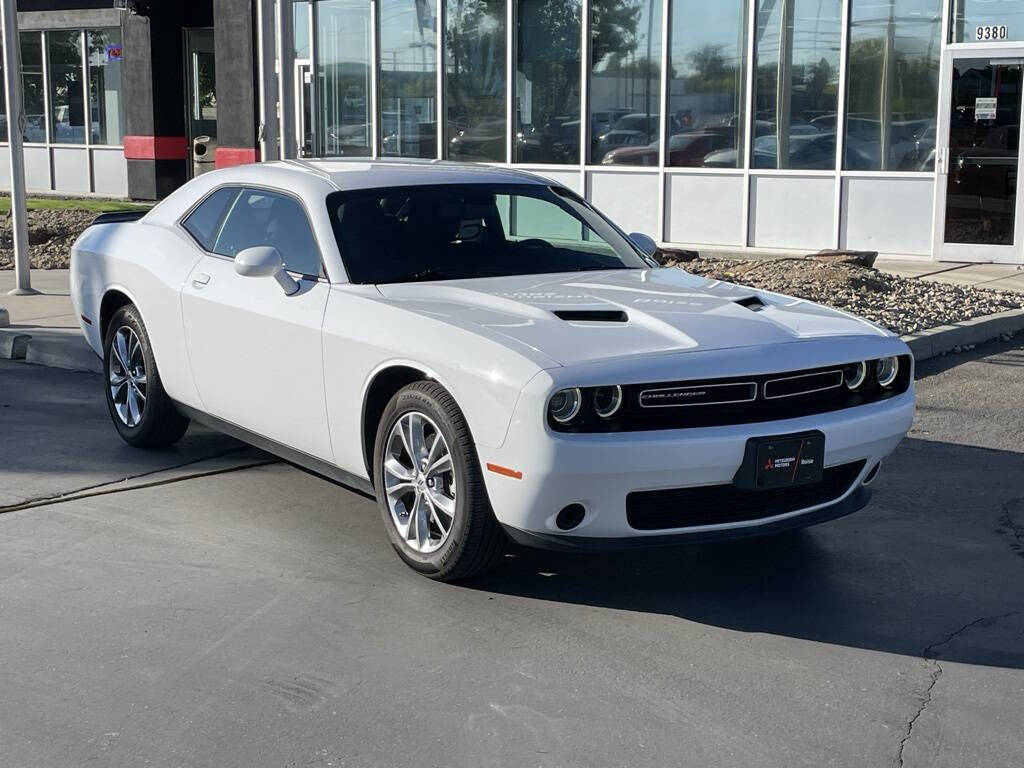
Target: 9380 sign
[990,32]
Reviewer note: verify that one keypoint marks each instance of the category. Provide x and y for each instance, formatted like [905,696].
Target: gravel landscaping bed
[51,233]
[900,304]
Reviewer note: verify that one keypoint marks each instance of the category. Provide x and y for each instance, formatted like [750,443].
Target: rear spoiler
[115,217]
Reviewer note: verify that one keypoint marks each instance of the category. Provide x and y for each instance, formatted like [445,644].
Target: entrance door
[304,108]
[978,211]
[201,92]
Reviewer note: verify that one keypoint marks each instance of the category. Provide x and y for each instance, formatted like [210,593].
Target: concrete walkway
[1002,277]
[48,319]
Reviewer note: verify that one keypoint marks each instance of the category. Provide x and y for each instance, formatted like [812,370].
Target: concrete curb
[13,345]
[50,347]
[952,338]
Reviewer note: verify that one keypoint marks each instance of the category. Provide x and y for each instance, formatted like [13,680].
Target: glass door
[978,216]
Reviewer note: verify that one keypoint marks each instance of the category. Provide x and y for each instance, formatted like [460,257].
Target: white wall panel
[110,172]
[37,170]
[71,169]
[628,199]
[705,209]
[792,212]
[888,215]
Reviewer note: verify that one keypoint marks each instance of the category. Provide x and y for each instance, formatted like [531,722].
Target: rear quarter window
[205,222]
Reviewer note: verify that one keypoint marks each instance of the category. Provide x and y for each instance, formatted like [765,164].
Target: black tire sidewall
[413,399]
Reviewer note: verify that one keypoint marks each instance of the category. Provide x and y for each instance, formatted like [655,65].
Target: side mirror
[645,243]
[265,261]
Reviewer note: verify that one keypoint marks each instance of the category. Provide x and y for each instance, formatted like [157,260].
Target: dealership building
[887,125]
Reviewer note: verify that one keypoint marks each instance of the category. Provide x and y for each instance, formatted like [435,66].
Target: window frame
[241,187]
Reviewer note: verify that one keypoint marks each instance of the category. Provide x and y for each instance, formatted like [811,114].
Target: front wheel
[141,411]
[429,486]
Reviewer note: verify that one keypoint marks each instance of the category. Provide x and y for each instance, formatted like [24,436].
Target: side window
[205,221]
[259,217]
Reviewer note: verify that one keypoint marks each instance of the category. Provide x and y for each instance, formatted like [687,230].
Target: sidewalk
[43,328]
[1000,277]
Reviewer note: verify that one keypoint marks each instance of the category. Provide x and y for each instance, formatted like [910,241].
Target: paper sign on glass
[985,108]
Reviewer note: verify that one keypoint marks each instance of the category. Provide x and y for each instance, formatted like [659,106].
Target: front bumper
[600,470]
[849,504]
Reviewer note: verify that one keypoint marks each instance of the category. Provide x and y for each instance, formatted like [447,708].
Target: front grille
[751,399]
[720,504]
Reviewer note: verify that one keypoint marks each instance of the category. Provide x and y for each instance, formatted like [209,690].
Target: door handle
[199,281]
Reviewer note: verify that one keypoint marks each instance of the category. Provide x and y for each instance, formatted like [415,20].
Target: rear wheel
[141,411]
[429,487]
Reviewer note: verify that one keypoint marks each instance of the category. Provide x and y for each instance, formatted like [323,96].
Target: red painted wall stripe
[155,147]
[225,157]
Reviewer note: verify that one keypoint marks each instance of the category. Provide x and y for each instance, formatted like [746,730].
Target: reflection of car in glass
[636,129]
[560,143]
[483,141]
[409,137]
[808,152]
[487,355]
[601,120]
[684,149]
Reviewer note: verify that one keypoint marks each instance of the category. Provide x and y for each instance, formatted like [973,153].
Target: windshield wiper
[433,273]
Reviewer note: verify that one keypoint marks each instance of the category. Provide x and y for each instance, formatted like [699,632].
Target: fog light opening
[872,473]
[570,516]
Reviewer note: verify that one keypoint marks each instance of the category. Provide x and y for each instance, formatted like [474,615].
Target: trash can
[203,150]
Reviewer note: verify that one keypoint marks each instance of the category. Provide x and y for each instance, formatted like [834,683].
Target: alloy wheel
[419,482]
[126,374]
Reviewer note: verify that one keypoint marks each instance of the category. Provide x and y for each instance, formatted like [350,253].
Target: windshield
[456,232]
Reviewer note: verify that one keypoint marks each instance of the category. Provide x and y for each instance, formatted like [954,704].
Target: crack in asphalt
[936,672]
[1010,526]
[114,486]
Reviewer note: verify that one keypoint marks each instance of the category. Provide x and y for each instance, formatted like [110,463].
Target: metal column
[15,127]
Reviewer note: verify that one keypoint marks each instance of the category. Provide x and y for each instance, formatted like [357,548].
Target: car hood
[639,312]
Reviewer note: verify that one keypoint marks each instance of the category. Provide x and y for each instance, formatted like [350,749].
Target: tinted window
[204,222]
[259,217]
[457,232]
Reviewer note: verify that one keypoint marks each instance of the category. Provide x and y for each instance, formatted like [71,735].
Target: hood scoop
[753,303]
[592,315]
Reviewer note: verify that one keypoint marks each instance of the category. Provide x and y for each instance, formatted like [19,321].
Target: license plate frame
[782,461]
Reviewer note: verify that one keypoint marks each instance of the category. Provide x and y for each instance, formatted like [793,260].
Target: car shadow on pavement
[933,566]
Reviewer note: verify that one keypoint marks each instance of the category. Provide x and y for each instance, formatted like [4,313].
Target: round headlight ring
[886,370]
[607,401]
[855,375]
[564,405]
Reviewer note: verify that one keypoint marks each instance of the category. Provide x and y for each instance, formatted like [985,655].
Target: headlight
[886,370]
[564,405]
[855,374]
[607,401]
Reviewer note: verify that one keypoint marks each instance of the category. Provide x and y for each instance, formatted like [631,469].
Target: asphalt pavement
[207,606]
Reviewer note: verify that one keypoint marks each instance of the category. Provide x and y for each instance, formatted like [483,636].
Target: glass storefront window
[408,78]
[893,91]
[105,104]
[32,86]
[547,81]
[797,47]
[475,120]
[67,97]
[343,78]
[300,28]
[982,21]
[625,82]
[707,66]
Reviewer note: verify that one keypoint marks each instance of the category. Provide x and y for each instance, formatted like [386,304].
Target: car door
[256,353]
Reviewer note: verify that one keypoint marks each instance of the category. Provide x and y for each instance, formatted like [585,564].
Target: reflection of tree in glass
[475,45]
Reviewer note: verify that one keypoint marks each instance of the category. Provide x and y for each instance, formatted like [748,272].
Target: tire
[474,541]
[154,422]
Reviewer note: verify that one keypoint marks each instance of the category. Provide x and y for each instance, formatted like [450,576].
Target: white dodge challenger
[486,354]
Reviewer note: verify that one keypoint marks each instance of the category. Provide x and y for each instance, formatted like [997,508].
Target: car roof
[370,174]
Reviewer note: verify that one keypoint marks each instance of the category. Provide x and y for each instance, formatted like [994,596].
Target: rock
[859,258]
